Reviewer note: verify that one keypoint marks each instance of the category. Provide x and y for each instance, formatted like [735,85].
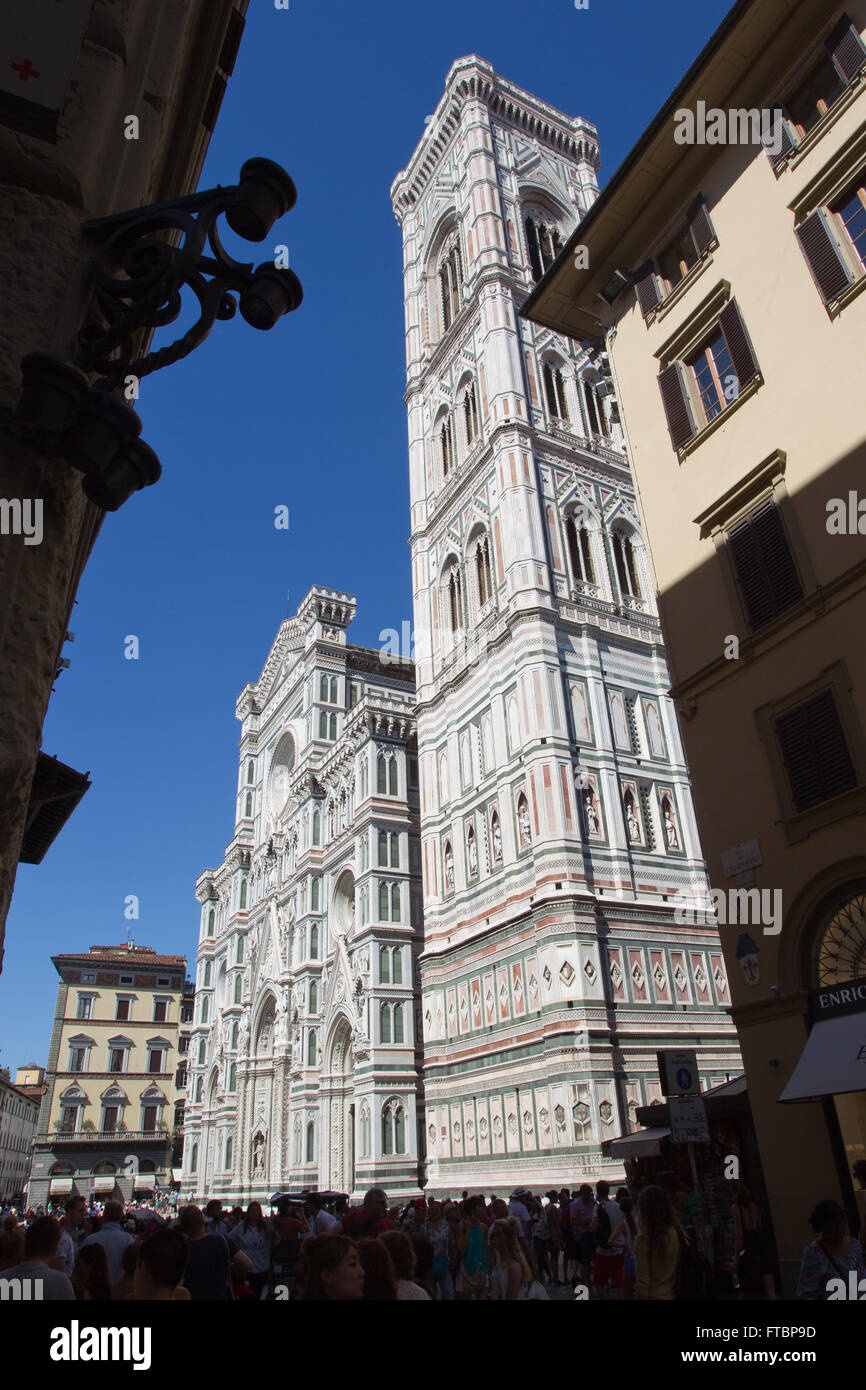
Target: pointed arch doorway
[337,1157]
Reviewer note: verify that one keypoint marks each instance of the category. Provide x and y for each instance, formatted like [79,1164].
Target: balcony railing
[113,1136]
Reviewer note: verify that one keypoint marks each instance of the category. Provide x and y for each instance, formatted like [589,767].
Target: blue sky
[309,416]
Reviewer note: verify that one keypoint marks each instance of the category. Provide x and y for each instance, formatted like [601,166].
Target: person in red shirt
[371,1219]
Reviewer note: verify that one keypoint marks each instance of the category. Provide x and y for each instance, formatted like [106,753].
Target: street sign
[688,1120]
[678,1071]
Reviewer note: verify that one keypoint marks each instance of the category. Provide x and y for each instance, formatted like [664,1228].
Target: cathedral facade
[558,836]
[304,1055]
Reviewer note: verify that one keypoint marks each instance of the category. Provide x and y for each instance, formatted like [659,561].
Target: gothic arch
[264,1015]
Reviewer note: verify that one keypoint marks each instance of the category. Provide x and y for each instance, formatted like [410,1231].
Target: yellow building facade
[724,265]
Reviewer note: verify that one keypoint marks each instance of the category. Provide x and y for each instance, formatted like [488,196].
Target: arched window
[385,1023]
[193,1159]
[323,724]
[311,1049]
[251,770]
[317,827]
[311,1142]
[383,848]
[387,1131]
[446,446]
[392,777]
[314,942]
[239,958]
[383,902]
[202,1047]
[248,806]
[554,390]
[323,687]
[227,1163]
[384,965]
[314,896]
[544,242]
[314,997]
[204,1009]
[482,570]
[455,599]
[398,1023]
[397,963]
[207,975]
[395,851]
[239,984]
[364,775]
[592,409]
[234,1036]
[233,1076]
[364,1132]
[211,922]
[393,1128]
[395,902]
[470,413]
[450,285]
[579,551]
[363,905]
[199,1088]
[382,774]
[243,897]
[626,570]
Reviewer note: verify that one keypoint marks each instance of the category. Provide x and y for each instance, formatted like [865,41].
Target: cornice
[473,79]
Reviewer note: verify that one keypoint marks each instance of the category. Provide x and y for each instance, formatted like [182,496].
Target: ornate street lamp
[147,257]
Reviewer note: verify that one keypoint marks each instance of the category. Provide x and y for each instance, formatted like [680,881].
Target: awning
[60,1187]
[175,1175]
[833,1061]
[646,1143]
[144,1182]
[54,795]
[104,1184]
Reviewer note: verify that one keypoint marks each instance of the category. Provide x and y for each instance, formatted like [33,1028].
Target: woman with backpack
[656,1246]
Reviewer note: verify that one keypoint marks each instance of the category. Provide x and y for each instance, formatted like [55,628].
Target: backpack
[603,1227]
[695,1278]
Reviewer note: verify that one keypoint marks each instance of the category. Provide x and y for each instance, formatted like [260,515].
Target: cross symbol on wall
[25,70]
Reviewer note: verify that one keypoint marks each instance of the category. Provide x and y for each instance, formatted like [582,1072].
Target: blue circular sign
[684,1078]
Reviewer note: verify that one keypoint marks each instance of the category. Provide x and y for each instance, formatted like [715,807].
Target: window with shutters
[813,96]
[714,376]
[815,751]
[677,259]
[696,392]
[691,242]
[850,210]
[764,565]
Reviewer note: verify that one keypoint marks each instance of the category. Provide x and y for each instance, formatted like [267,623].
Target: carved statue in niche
[259,1154]
[523,822]
[590,811]
[631,819]
[473,855]
[496,833]
[671,830]
[244,1034]
[449,869]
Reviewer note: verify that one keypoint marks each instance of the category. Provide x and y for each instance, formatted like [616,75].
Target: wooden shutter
[823,256]
[846,50]
[700,225]
[764,565]
[780,130]
[739,344]
[675,400]
[647,286]
[815,751]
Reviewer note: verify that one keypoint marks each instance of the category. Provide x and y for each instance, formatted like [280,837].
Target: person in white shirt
[518,1209]
[67,1249]
[113,1237]
[40,1250]
[321,1221]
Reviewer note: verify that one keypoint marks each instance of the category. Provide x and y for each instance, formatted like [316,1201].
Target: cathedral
[446,941]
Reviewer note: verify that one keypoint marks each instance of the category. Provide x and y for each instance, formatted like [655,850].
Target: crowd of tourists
[647,1246]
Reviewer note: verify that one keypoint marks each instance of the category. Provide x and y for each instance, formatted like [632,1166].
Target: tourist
[74,1216]
[289,1228]
[370,1219]
[214,1224]
[252,1238]
[40,1250]
[831,1256]
[511,1275]
[581,1215]
[437,1231]
[90,1277]
[399,1247]
[160,1267]
[124,1287]
[471,1284]
[320,1218]
[656,1246]
[380,1276]
[517,1207]
[206,1276]
[607,1269]
[11,1247]
[333,1270]
[754,1272]
[112,1237]
[625,1234]
[555,1241]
